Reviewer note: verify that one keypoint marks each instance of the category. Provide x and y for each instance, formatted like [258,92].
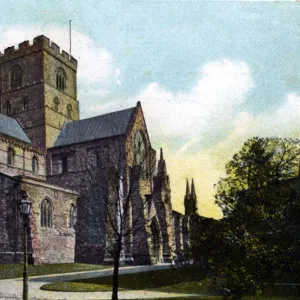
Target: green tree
[258,237]
[260,162]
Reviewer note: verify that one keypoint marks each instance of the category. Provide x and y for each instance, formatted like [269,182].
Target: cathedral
[89,180]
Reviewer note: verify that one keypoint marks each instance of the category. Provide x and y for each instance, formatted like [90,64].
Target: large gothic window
[35,165]
[61,79]
[138,149]
[46,214]
[140,155]
[10,156]
[16,77]
[72,216]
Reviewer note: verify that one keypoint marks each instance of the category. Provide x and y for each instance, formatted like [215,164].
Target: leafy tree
[260,162]
[257,237]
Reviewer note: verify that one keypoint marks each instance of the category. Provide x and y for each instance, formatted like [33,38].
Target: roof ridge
[98,127]
[106,114]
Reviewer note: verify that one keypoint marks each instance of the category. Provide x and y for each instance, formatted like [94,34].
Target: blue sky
[210,74]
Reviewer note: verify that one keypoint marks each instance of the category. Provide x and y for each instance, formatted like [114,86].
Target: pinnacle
[187,188]
[193,192]
[161,154]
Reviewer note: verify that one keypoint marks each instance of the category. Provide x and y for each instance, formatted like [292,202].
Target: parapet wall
[40,42]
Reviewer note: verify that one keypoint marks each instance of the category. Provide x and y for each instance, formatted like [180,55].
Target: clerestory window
[35,165]
[10,156]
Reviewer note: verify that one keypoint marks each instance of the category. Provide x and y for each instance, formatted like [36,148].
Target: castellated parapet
[39,43]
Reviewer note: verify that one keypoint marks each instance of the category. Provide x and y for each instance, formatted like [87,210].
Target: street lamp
[24,206]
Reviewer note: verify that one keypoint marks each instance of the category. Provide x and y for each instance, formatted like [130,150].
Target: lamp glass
[25,206]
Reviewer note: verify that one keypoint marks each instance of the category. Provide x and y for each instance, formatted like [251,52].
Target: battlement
[38,43]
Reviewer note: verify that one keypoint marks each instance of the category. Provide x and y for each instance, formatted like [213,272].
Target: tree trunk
[115,286]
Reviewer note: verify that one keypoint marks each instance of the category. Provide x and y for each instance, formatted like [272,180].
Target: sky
[209,74]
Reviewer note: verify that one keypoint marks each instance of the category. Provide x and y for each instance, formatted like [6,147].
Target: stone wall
[55,244]
[86,171]
[11,225]
[24,154]
[45,245]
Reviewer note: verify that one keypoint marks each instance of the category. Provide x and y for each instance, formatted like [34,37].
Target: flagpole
[70,35]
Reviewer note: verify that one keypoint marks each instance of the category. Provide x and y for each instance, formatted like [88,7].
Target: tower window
[25,103]
[69,111]
[46,214]
[8,108]
[16,77]
[35,165]
[10,156]
[61,79]
[55,103]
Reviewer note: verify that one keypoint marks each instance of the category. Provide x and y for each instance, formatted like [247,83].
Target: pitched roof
[99,127]
[12,127]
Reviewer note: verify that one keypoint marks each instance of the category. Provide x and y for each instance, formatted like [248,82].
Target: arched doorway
[155,241]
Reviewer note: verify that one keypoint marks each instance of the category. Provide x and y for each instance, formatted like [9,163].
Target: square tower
[38,87]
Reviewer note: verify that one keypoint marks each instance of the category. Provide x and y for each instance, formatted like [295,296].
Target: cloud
[202,117]
[222,87]
[97,67]
[211,111]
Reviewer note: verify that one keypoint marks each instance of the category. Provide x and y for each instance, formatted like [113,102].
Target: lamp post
[24,206]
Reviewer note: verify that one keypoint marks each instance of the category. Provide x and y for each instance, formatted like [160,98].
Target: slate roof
[99,127]
[12,127]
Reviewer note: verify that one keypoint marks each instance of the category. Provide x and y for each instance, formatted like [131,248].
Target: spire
[161,154]
[161,168]
[193,200]
[187,190]
[187,199]
[193,192]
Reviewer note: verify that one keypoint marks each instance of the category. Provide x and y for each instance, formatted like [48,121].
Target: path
[12,288]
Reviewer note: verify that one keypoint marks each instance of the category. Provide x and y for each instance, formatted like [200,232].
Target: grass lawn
[190,298]
[16,270]
[221,298]
[185,280]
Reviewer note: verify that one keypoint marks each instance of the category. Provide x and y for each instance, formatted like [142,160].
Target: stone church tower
[38,87]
